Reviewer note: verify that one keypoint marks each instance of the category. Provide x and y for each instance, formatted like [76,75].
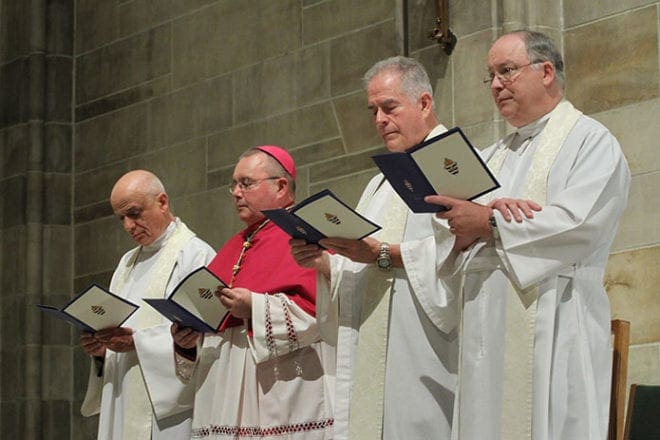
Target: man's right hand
[310,255]
[91,345]
[184,337]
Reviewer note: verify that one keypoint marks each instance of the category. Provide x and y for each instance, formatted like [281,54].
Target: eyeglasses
[506,74]
[247,184]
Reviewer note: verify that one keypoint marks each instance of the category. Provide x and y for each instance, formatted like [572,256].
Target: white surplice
[125,407]
[563,251]
[422,351]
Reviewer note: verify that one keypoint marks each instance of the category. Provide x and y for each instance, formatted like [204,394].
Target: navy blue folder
[89,326]
[450,158]
[176,312]
[325,224]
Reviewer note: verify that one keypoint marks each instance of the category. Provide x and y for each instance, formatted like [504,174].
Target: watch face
[383,263]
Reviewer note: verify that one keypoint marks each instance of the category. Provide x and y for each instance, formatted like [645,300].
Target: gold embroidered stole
[367,396]
[138,411]
[520,322]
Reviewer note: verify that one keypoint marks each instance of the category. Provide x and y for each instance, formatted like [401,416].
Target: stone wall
[182,87]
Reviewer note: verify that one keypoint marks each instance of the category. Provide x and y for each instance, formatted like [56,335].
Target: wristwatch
[384,259]
[493,227]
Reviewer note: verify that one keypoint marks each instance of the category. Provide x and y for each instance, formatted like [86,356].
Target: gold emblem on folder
[408,185]
[98,310]
[205,293]
[332,218]
[451,166]
[301,230]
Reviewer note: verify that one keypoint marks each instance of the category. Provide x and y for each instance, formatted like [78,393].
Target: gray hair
[414,79]
[541,47]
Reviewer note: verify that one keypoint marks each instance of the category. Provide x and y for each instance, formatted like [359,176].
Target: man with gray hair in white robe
[124,357]
[535,329]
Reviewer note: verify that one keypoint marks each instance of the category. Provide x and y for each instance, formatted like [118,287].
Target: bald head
[139,200]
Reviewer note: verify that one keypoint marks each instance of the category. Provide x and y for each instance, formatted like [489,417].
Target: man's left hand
[465,219]
[361,251]
[118,339]
[238,300]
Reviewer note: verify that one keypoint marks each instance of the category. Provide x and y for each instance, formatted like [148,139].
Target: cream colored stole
[367,396]
[520,322]
[138,411]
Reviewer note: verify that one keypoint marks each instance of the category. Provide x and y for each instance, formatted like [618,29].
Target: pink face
[518,98]
[263,191]
[144,217]
[400,120]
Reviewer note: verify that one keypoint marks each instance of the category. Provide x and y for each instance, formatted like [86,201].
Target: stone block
[290,130]
[14,201]
[317,152]
[352,55]
[56,372]
[96,24]
[281,84]
[80,372]
[640,224]
[14,101]
[347,188]
[55,331]
[58,147]
[15,28]
[106,234]
[100,278]
[211,215]
[644,364]
[59,27]
[469,16]
[57,199]
[438,66]
[230,35]
[421,22]
[342,166]
[328,19]
[92,212]
[12,276]
[576,13]
[57,245]
[123,64]
[13,321]
[168,163]
[472,103]
[138,15]
[356,122]
[12,417]
[601,81]
[191,46]
[112,137]
[94,187]
[484,134]
[83,428]
[133,95]
[631,282]
[14,148]
[637,129]
[12,375]
[56,419]
[195,111]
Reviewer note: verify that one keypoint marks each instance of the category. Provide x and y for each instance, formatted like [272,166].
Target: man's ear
[549,73]
[163,202]
[426,101]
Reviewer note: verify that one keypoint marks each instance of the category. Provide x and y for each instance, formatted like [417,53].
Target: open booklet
[93,309]
[446,164]
[193,303]
[319,216]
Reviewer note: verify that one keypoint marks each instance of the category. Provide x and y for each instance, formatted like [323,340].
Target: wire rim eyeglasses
[507,75]
[248,184]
